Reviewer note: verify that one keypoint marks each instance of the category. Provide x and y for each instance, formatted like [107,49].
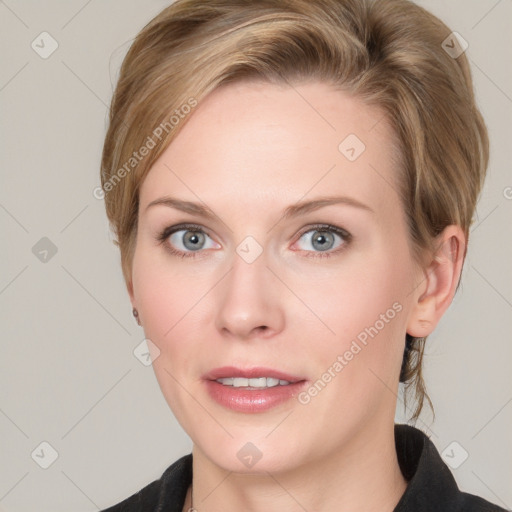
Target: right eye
[185,240]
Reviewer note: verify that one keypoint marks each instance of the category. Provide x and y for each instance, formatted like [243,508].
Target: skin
[248,151]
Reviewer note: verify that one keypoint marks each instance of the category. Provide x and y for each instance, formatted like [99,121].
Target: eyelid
[324,227]
[170,230]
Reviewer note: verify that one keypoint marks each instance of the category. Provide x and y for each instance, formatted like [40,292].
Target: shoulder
[145,499]
[166,493]
[431,485]
[471,503]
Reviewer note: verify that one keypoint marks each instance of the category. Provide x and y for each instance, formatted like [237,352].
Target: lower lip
[252,400]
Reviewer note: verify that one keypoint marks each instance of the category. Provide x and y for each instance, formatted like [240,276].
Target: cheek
[355,294]
[365,304]
[169,309]
[161,293]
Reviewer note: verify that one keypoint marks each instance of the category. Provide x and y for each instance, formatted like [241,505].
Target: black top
[431,486]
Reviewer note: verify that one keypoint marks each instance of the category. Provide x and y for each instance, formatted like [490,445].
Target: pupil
[321,240]
[193,238]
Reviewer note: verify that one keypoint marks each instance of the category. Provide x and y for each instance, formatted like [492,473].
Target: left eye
[323,238]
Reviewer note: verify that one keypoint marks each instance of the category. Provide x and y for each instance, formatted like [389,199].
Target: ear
[129,287]
[438,283]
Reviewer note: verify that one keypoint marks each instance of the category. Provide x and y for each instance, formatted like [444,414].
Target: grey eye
[188,240]
[321,240]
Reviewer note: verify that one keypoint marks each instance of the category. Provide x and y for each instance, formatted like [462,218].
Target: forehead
[249,143]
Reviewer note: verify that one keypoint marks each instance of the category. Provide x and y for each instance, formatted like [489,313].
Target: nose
[250,301]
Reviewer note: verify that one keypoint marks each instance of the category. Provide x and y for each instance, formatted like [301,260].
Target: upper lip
[258,371]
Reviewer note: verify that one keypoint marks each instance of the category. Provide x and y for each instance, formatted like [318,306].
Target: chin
[253,454]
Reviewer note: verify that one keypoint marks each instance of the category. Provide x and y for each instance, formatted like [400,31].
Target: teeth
[258,382]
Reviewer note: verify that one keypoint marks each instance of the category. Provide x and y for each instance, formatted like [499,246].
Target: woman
[291,184]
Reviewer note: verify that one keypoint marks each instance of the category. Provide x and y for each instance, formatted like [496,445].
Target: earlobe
[439,282]
[136,315]
[129,287]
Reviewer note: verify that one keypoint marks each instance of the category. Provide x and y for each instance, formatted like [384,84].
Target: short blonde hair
[389,53]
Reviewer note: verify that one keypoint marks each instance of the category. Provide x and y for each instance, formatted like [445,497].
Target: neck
[362,477]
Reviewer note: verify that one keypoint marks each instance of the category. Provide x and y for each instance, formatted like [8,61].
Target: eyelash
[168,231]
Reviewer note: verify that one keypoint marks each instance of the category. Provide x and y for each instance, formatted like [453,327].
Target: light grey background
[68,375]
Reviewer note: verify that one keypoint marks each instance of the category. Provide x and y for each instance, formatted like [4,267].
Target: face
[318,295]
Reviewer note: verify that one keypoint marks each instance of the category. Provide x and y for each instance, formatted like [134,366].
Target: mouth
[253,389]
[257,377]
[254,383]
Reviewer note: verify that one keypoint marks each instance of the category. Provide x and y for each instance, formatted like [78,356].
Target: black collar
[431,486]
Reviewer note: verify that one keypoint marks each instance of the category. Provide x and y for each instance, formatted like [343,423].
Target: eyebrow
[293,210]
